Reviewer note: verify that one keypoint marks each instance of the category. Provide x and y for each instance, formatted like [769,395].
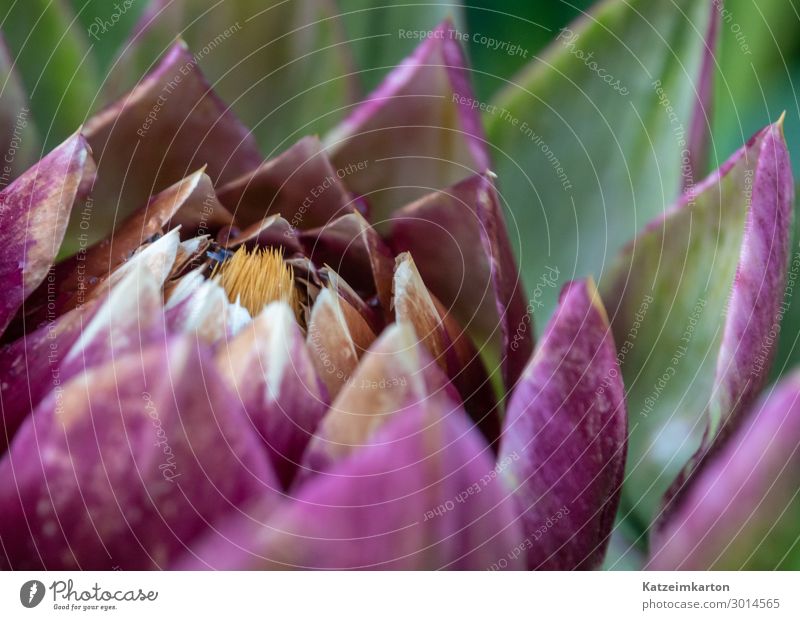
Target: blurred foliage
[530,22]
[587,149]
[54,61]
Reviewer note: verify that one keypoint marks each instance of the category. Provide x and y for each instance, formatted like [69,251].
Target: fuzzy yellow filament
[256,278]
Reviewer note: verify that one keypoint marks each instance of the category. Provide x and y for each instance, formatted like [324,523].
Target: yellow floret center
[256,278]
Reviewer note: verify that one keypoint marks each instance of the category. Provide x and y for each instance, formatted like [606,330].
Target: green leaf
[758,71]
[53,59]
[586,149]
[282,66]
[527,27]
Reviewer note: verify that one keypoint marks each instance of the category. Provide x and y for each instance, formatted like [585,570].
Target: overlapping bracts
[325,359]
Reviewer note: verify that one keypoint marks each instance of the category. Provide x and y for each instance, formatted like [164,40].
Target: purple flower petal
[740,511]
[128,317]
[190,203]
[300,184]
[170,124]
[747,347]
[272,231]
[337,337]
[565,436]
[274,378]
[447,344]
[464,228]
[128,464]
[417,132]
[421,496]
[395,376]
[351,246]
[201,307]
[700,130]
[35,210]
[695,301]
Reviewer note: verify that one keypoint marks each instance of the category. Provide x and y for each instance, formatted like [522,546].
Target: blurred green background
[65,73]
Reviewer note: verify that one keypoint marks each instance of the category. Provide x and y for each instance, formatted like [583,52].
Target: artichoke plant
[324,358]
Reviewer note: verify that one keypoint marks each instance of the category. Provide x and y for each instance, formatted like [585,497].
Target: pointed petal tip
[596,300]
[584,291]
[278,312]
[446,24]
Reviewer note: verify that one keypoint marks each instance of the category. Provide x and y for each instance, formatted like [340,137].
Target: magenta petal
[127,318]
[35,210]
[273,231]
[170,125]
[128,465]
[756,302]
[189,203]
[747,349]
[565,436]
[700,130]
[417,132]
[422,495]
[300,184]
[356,252]
[741,509]
[463,227]
[275,380]
[396,375]
[696,300]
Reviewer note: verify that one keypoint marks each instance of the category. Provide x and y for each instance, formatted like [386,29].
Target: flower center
[256,278]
